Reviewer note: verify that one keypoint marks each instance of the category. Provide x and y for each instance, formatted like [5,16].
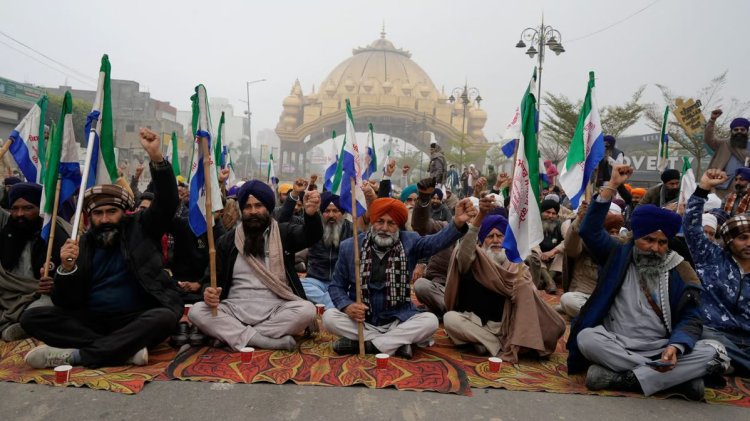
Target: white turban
[710,221]
[713,202]
[615,208]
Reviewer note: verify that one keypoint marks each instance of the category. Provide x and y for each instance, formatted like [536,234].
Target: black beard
[670,194]
[14,236]
[255,241]
[436,205]
[649,268]
[738,140]
[106,236]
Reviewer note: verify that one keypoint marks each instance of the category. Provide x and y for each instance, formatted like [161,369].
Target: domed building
[385,88]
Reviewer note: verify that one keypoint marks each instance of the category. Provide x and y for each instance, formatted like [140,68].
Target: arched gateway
[386,88]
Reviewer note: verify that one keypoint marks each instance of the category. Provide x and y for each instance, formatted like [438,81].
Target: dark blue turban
[740,122]
[9,181]
[439,193]
[258,190]
[647,219]
[743,172]
[31,192]
[609,139]
[489,223]
[326,199]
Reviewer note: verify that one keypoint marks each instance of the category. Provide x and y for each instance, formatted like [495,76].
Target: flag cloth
[387,158]
[333,160]
[349,169]
[103,165]
[663,142]
[371,160]
[509,148]
[27,147]
[62,162]
[687,181]
[173,156]
[202,129]
[227,163]
[524,221]
[586,149]
[218,148]
[271,179]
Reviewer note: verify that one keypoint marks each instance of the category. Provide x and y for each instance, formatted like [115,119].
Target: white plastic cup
[495,364]
[62,374]
[246,354]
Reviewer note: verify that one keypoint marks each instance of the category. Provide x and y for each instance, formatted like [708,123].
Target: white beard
[332,233]
[497,256]
[384,242]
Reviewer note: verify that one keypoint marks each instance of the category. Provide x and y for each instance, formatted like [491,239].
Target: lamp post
[544,37]
[249,114]
[466,95]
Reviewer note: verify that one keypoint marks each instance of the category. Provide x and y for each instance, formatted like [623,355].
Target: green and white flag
[687,181]
[272,180]
[173,156]
[663,142]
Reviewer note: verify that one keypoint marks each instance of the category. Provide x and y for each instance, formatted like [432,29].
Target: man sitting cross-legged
[259,298]
[640,328]
[387,258]
[112,297]
[492,302]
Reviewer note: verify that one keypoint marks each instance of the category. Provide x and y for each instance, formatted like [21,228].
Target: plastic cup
[187,309]
[246,354]
[495,364]
[62,374]
[320,308]
[382,360]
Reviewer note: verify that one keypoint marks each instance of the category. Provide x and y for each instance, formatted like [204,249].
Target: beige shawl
[528,322]
[272,274]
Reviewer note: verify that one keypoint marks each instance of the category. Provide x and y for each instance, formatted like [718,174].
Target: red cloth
[391,207]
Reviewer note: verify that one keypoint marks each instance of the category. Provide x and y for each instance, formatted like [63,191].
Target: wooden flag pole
[53,227]
[357,278]
[209,215]
[5,148]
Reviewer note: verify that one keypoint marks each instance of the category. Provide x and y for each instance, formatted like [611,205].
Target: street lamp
[466,95]
[250,126]
[544,37]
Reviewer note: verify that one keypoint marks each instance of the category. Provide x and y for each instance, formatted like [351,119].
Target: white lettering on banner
[650,161]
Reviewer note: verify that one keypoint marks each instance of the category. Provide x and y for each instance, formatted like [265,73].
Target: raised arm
[699,245]
[428,245]
[421,219]
[300,237]
[162,209]
[708,131]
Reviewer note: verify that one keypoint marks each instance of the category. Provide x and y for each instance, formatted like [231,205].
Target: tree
[710,97]
[81,109]
[473,154]
[561,118]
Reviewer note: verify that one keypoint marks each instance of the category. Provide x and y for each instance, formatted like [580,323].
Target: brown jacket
[722,150]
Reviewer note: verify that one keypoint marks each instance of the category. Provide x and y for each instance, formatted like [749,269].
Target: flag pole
[98,102]
[357,278]
[53,227]
[5,148]
[209,215]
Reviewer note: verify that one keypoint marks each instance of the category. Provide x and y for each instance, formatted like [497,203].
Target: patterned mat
[124,379]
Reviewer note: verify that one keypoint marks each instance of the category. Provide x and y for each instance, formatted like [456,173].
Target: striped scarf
[396,273]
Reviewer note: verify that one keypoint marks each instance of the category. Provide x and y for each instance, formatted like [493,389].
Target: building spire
[382,31]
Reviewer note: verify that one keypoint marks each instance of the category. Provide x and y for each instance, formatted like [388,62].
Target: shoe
[196,338]
[405,352]
[14,332]
[45,356]
[598,378]
[346,346]
[139,358]
[181,337]
[692,390]
[480,349]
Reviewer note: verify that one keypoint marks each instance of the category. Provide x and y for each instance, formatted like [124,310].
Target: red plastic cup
[320,308]
[382,360]
[187,309]
[246,355]
[62,374]
[495,364]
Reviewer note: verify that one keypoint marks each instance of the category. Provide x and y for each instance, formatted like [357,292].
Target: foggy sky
[169,47]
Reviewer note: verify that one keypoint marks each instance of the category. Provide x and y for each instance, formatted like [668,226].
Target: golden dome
[392,68]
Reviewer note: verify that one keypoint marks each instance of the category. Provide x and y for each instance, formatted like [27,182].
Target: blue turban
[326,199]
[743,172]
[9,181]
[490,222]
[647,219]
[31,192]
[610,140]
[407,191]
[739,122]
[258,190]
[439,193]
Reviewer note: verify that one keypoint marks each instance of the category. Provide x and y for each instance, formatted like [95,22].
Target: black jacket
[294,237]
[140,240]
[321,259]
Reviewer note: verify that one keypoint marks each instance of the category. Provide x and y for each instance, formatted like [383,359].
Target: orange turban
[391,207]
[628,187]
[638,192]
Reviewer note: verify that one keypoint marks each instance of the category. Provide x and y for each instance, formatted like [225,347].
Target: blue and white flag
[226,162]
[28,142]
[348,179]
[202,129]
[62,162]
[271,178]
[371,160]
[586,149]
[333,161]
